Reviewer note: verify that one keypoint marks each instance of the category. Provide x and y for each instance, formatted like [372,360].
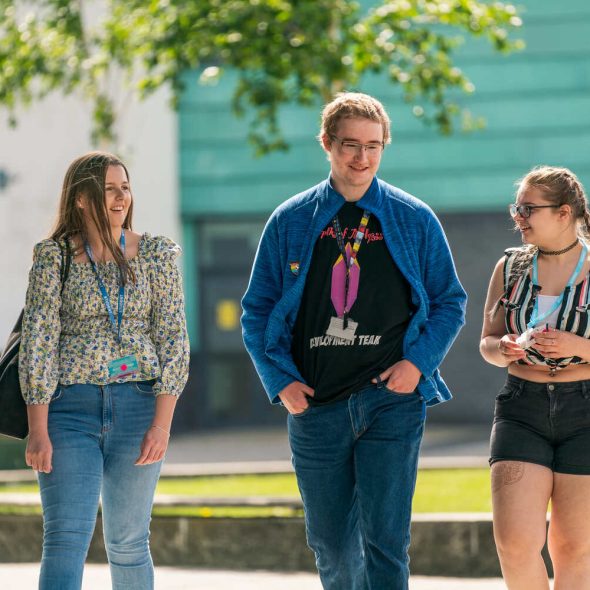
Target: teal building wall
[537,106]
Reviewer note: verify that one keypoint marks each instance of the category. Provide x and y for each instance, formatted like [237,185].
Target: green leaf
[285,52]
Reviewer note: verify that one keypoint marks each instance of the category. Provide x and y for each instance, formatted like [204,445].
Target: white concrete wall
[36,155]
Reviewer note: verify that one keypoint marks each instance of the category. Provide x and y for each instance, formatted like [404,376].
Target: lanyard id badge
[126,365]
[535,318]
[337,329]
[122,367]
[346,270]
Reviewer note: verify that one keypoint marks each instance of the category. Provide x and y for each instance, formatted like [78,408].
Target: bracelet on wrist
[160,428]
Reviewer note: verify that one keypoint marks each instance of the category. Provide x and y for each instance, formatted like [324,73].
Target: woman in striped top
[536,323]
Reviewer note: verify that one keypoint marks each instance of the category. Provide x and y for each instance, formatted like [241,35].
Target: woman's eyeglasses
[526,210]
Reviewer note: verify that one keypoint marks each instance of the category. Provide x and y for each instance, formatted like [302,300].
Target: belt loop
[584,388]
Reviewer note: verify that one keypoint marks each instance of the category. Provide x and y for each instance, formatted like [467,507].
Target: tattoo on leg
[506,473]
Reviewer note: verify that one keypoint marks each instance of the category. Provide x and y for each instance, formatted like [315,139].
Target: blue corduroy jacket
[416,242]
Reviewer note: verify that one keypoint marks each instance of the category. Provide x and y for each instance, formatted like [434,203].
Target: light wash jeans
[356,463]
[96,432]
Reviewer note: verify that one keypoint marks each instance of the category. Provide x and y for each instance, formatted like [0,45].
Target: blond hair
[560,186]
[353,105]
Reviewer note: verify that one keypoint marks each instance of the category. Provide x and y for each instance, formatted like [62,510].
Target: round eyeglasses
[525,210]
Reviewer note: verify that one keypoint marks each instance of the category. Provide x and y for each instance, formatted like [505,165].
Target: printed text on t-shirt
[350,234]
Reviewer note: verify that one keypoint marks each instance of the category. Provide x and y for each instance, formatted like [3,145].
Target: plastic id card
[122,367]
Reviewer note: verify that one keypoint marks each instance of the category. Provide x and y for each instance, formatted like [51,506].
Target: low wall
[455,545]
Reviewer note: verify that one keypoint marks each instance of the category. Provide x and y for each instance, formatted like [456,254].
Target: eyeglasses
[525,210]
[353,148]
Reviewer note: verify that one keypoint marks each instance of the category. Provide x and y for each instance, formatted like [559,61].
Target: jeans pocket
[304,413]
[507,393]
[144,387]
[57,393]
[401,394]
[383,386]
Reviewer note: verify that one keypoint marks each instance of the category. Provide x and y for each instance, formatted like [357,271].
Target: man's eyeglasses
[352,148]
[526,210]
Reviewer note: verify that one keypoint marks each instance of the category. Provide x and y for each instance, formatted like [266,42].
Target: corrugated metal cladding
[537,106]
[536,103]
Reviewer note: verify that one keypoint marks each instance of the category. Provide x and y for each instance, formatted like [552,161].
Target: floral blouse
[68,338]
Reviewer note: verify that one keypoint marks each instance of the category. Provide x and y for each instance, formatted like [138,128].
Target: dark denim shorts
[543,423]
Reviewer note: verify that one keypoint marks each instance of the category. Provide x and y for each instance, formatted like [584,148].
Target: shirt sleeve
[39,348]
[259,302]
[447,302]
[168,323]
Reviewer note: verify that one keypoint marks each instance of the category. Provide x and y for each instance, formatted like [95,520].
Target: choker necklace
[557,252]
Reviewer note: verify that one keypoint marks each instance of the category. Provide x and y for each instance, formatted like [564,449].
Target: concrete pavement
[271,444]
[24,577]
[266,450]
[243,450]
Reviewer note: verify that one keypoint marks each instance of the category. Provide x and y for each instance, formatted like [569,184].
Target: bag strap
[509,256]
[66,261]
[64,271]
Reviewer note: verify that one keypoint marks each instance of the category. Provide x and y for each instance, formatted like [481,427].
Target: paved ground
[443,445]
[24,577]
[272,444]
[267,449]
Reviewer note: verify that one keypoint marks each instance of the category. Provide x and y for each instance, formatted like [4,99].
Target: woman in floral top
[103,359]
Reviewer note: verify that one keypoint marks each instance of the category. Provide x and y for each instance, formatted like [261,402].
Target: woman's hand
[39,452]
[153,446]
[155,441]
[510,351]
[555,344]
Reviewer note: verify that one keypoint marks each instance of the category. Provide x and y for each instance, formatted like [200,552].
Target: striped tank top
[518,301]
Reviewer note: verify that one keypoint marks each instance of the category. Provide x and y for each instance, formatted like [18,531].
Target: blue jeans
[96,434]
[356,463]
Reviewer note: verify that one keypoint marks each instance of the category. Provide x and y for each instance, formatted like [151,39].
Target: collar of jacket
[371,200]
[329,203]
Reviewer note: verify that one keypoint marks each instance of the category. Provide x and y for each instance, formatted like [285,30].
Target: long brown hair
[86,178]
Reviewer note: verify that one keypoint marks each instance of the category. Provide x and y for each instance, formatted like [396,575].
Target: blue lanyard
[103,291]
[534,316]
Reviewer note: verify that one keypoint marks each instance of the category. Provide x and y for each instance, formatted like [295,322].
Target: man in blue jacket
[352,305]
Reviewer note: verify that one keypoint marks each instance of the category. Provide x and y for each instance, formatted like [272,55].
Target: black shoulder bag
[13,410]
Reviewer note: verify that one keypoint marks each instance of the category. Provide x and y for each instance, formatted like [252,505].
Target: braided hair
[560,186]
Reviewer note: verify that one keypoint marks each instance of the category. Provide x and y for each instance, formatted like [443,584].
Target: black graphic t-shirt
[379,301]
